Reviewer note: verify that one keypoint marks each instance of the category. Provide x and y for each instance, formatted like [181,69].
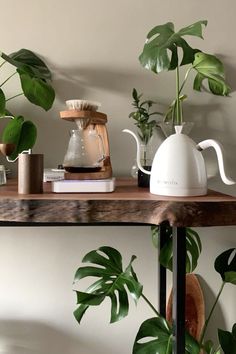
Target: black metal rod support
[179,283]
[162,272]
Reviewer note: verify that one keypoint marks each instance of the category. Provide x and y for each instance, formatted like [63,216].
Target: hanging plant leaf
[228,340]
[155,337]
[113,283]
[210,68]
[37,90]
[163,40]
[225,265]
[25,58]
[193,247]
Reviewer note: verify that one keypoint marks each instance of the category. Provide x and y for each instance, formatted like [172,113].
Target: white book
[84,186]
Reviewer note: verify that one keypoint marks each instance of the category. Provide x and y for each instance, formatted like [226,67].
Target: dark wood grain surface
[127,204]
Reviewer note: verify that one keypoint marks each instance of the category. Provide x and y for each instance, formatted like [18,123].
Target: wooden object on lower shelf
[194,307]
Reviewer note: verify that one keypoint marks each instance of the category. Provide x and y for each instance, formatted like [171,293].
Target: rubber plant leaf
[155,337]
[228,340]
[2,103]
[37,90]
[210,68]
[114,283]
[193,248]
[26,58]
[160,51]
[21,133]
[225,265]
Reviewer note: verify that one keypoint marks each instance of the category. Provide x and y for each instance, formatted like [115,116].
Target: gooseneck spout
[138,151]
[218,149]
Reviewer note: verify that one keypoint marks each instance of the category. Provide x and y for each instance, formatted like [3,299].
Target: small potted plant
[35,78]
[161,53]
[145,125]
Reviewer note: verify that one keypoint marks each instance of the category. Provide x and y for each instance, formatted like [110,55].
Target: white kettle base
[178,192]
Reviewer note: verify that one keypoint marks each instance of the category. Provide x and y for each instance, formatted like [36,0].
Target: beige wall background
[92,48]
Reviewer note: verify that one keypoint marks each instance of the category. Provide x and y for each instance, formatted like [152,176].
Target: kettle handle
[218,149]
[138,152]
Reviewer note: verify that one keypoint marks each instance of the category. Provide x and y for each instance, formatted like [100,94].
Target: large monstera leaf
[160,51]
[113,283]
[155,337]
[34,76]
[210,68]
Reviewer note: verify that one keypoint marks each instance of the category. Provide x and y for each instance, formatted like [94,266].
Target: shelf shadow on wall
[31,337]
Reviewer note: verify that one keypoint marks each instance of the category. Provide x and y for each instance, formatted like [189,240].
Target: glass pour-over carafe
[85,151]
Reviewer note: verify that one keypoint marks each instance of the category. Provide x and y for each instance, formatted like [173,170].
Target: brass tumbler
[30,173]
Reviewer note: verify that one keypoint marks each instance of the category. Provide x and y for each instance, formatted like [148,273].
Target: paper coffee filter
[82,105]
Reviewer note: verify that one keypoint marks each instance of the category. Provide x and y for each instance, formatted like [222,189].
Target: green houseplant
[167,50]
[35,80]
[155,334]
[142,116]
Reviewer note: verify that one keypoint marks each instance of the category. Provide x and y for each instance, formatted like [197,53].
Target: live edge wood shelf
[128,204]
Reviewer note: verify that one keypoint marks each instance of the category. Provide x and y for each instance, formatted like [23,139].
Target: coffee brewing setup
[87,162]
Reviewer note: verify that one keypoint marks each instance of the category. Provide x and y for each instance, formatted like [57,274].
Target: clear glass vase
[147,152]
[168,128]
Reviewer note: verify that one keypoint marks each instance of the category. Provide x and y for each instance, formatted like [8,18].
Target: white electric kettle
[178,168]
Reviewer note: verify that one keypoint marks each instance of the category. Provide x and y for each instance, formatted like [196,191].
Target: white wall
[93,47]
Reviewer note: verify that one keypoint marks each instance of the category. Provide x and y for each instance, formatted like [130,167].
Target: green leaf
[155,337]
[114,283]
[225,265]
[230,277]
[12,131]
[228,340]
[193,30]
[2,102]
[210,68]
[25,58]
[160,50]
[209,348]
[20,133]
[36,90]
[193,247]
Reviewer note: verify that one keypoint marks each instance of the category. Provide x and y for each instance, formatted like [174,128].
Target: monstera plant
[35,80]
[117,283]
[167,50]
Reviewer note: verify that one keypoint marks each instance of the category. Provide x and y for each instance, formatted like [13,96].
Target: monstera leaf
[21,133]
[210,68]
[36,90]
[25,58]
[113,283]
[34,77]
[228,340]
[225,265]
[155,337]
[160,51]
[193,248]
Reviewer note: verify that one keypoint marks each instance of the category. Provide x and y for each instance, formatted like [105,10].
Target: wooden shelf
[127,204]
